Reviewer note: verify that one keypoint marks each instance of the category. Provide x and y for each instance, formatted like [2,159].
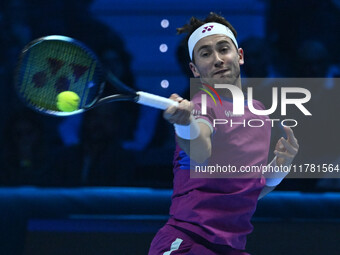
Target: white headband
[207,29]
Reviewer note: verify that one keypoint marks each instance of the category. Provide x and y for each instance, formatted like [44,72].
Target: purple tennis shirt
[220,209]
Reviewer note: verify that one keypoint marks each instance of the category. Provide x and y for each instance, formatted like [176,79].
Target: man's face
[216,58]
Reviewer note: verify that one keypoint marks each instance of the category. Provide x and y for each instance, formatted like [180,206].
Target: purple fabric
[191,244]
[220,209]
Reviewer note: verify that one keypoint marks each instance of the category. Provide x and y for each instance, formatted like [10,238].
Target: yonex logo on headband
[207,29]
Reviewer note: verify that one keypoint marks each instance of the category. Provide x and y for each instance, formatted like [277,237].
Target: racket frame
[105,76]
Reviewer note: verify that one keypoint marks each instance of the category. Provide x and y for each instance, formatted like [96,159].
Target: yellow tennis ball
[68,101]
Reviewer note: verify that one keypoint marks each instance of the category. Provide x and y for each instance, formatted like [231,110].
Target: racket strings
[50,67]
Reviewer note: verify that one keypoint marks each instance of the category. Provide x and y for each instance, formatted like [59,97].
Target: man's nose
[218,60]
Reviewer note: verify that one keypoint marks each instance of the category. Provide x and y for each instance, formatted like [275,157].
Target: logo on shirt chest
[229,114]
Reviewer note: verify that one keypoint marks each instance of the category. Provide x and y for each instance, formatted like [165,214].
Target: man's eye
[225,49]
[204,54]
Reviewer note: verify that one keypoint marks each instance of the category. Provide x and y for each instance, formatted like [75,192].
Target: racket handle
[154,101]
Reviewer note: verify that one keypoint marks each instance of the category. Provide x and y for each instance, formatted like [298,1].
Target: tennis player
[210,216]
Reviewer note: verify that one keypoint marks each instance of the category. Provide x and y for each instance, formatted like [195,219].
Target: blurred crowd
[93,150]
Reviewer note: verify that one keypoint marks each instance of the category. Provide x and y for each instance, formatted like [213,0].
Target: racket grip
[154,100]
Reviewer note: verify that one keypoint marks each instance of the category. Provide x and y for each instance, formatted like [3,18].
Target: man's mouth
[221,71]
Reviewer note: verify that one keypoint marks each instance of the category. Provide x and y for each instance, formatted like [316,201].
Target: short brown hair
[196,23]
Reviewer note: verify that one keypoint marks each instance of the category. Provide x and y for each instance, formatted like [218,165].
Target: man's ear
[241,56]
[194,70]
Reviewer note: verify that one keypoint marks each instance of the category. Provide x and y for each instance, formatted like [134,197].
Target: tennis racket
[53,64]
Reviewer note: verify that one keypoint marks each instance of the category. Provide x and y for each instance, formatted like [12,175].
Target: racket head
[53,64]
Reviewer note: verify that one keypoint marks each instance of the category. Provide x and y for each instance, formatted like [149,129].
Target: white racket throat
[155,101]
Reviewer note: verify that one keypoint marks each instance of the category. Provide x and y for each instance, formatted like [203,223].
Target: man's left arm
[285,151]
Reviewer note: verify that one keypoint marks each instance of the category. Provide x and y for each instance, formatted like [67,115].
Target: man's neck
[223,92]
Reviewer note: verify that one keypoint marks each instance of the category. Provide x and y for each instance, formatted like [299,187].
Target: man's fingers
[286,149]
[290,137]
[186,105]
[181,117]
[179,114]
[171,110]
[279,146]
[169,113]
[289,147]
[176,97]
[284,155]
[191,106]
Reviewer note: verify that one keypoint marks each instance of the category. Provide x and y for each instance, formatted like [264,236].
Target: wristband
[188,132]
[274,178]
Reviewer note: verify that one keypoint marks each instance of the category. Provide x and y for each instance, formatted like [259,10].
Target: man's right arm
[199,149]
